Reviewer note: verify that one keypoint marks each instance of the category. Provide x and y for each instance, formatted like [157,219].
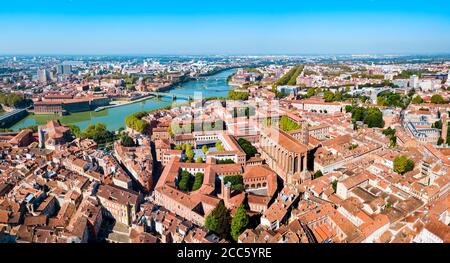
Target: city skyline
[227,123]
[202,28]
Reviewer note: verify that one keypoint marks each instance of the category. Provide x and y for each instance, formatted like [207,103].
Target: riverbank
[170,87]
[114,117]
[150,96]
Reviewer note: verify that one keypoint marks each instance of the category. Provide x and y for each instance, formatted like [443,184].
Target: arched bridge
[174,96]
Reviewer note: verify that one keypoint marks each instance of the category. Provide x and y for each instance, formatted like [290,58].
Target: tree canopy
[417,100]
[225,161]
[402,164]
[390,133]
[98,133]
[185,181]
[239,222]
[189,152]
[205,149]
[393,100]
[248,148]
[437,99]
[236,181]
[219,220]
[348,108]
[290,78]
[318,174]
[236,95]
[75,130]
[135,122]
[127,141]
[14,100]
[198,181]
[372,116]
[219,146]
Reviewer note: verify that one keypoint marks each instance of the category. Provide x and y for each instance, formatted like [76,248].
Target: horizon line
[447,53]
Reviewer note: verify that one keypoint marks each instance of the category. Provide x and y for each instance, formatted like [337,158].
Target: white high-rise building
[43,75]
[64,69]
[414,82]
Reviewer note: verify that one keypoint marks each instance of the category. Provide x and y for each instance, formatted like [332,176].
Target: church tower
[444,127]
[304,134]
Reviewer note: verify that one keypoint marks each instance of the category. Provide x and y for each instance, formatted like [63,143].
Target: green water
[114,118]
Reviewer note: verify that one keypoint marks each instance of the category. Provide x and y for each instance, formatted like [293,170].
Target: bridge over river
[174,96]
[113,116]
[9,118]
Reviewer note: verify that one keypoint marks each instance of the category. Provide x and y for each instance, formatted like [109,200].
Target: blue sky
[225,27]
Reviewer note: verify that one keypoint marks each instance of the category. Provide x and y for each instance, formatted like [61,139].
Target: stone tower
[304,135]
[444,127]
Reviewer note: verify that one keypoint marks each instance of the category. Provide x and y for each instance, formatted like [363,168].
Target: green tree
[392,141]
[185,181]
[334,185]
[178,147]
[338,96]
[440,141]
[328,96]
[136,122]
[127,141]
[437,99]
[353,146]
[237,95]
[438,124]
[219,220]
[318,174]
[170,131]
[382,101]
[248,148]
[290,77]
[417,100]
[348,108]
[280,94]
[98,133]
[225,161]
[219,146]
[374,118]
[389,131]
[402,164]
[189,152]
[198,181]
[239,222]
[14,100]
[75,130]
[199,160]
[205,149]
[236,181]
[310,92]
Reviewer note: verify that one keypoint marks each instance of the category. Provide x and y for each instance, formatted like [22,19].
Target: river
[213,86]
